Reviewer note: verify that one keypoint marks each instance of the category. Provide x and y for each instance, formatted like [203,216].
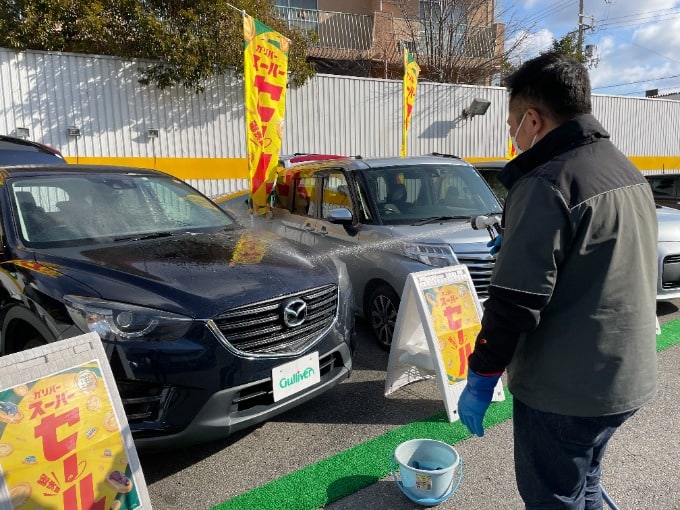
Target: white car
[668,283]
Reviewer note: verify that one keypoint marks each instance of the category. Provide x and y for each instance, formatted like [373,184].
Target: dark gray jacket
[572,304]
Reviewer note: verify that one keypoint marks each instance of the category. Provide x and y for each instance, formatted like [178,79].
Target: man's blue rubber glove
[495,244]
[475,400]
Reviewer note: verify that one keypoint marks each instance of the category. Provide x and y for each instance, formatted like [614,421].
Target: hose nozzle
[488,222]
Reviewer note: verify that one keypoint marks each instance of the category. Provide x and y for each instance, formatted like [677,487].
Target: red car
[18,151]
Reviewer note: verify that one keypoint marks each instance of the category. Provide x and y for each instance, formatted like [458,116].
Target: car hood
[453,232]
[669,224]
[199,275]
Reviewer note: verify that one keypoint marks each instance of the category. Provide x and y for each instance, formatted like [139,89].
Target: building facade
[455,41]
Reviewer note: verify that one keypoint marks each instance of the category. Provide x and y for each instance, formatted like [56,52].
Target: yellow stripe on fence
[182,168]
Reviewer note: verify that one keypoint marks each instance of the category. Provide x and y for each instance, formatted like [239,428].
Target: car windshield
[70,210]
[407,195]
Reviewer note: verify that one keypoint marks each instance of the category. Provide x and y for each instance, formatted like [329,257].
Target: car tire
[383,305]
[22,330]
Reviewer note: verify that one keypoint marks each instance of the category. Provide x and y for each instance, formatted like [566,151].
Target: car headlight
[112,320]
[437,255]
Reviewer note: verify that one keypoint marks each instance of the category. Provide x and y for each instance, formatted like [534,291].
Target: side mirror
[341,216]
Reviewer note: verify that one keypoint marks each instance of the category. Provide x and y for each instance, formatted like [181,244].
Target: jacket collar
[580,130]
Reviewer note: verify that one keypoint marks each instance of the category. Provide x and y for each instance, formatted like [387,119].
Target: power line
[635,82]
[654,51]
[644,14]
[639,20]
[545,12]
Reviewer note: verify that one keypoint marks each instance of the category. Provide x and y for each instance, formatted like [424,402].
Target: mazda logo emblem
[294,312]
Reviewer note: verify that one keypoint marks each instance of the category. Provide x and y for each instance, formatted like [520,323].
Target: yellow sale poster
[61,444]
[455,321]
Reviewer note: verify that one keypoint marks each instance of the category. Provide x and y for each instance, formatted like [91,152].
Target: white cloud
[644,58]
[527,45]
[664,36]
[635,40]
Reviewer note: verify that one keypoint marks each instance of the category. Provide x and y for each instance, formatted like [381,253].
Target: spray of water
[406,235]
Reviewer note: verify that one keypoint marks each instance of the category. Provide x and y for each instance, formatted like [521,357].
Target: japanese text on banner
[411,72]
[265,67]
[456,324]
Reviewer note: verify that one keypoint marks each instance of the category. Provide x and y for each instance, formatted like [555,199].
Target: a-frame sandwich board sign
[65,441]
[435,332]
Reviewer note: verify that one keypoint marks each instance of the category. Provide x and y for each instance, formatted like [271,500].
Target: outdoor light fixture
[73,131]
[23,132]
[152,133]
[477,107]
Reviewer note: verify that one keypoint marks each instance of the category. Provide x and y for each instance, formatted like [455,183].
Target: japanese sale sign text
[266,71]
[61,445]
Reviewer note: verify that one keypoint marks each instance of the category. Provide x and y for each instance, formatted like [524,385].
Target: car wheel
[34,340]
[383,305]
[23,330]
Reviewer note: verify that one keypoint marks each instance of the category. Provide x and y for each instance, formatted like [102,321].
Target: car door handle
[323,231]
[308,227]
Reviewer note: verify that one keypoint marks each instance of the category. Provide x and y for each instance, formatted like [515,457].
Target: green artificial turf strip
[349,471]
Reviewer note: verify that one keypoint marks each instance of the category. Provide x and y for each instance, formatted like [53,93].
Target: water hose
[607,499]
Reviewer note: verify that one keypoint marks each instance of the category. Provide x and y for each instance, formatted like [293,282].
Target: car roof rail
[441,155]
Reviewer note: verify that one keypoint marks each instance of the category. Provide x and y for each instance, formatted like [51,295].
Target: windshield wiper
[435,219]
[142,237]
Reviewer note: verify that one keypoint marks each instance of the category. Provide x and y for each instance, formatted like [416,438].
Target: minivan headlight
[112,320]
[437,255]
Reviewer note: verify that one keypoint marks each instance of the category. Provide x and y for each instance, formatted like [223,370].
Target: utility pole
[582,27]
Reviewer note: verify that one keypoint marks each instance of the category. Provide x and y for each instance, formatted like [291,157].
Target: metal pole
[580,28]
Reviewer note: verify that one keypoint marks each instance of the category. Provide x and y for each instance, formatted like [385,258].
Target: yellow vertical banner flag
[265,65]
[511,150]
[411,72]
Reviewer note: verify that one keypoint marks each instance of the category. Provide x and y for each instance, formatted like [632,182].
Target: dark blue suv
[207,325]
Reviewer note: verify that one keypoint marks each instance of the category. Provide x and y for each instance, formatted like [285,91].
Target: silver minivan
[386,218]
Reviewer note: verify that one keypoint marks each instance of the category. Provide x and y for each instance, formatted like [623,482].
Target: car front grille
[259,328]
[670,278]
[480,265]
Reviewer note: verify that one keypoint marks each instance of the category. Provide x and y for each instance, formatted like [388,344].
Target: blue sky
[637,41]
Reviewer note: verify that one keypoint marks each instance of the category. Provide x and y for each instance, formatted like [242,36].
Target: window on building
[443,25]
[300,4]
[300,14]
[442,11]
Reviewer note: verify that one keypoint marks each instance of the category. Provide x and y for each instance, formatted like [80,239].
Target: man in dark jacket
[571,311]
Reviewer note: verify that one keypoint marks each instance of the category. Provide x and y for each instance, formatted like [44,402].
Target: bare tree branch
[460,41]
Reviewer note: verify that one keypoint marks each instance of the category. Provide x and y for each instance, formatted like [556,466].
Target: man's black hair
[555,84]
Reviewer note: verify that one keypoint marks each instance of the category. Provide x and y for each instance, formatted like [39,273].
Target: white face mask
[514,137]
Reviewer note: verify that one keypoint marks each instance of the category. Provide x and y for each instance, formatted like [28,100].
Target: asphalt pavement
[639,472]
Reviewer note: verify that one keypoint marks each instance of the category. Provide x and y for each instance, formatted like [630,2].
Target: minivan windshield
[408,195]
[70,209]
